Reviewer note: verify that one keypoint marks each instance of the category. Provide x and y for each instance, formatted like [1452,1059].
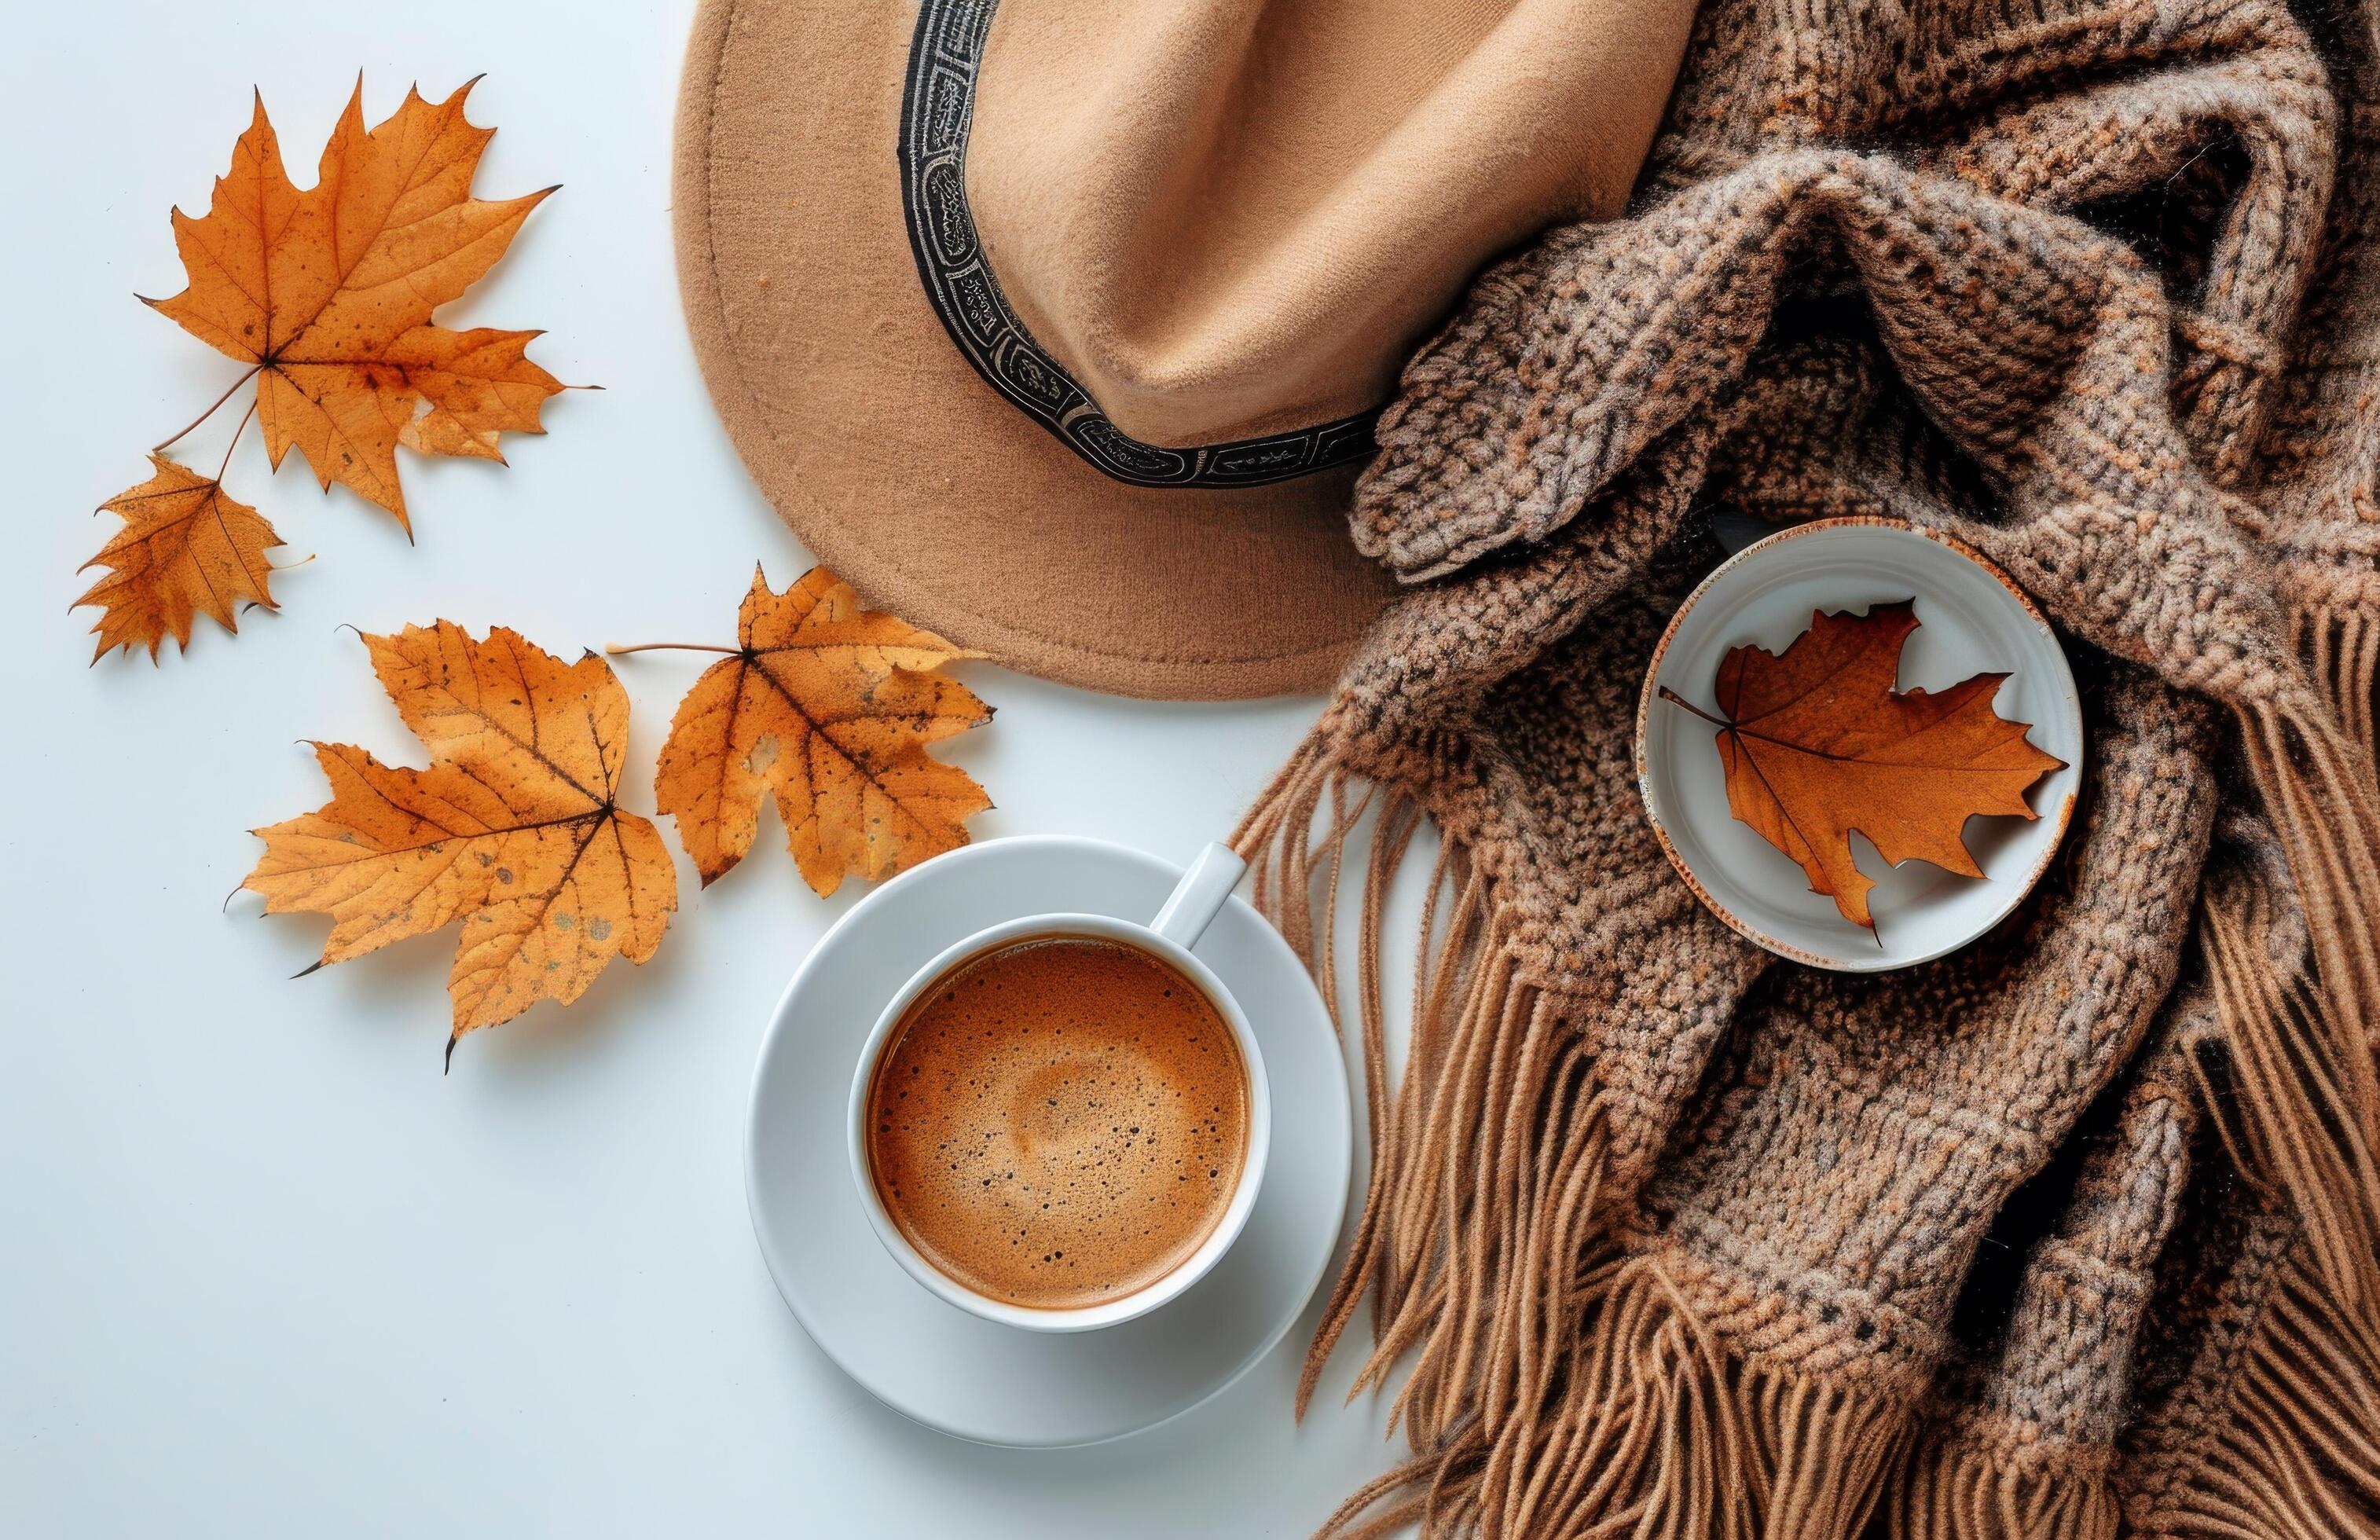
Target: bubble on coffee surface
[1059,1121]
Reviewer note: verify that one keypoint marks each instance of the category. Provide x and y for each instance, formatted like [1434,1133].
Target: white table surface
[264,1270]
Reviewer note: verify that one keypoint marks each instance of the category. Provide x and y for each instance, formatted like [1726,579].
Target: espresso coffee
[1058,1122]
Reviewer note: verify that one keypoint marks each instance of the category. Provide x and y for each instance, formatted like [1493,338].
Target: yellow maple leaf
[327,295]
[829,707]
[514,828]
[184,550]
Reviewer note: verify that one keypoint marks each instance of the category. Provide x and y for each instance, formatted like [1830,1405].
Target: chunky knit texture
[2072,1233]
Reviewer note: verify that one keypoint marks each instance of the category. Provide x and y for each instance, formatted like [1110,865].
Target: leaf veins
[828,706]
[514,828]
[1818,743]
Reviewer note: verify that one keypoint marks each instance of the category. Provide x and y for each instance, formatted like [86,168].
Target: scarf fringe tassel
[2299,1042]
[2296,1452]
[1651,1433]
[2341,648]
[1965,1488]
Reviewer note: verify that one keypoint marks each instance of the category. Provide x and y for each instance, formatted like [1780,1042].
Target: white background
[264,1270]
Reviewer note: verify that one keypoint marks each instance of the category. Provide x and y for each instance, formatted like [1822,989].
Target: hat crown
[1235,218]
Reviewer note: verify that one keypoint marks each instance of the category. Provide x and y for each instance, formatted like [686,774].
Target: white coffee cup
[1169,936]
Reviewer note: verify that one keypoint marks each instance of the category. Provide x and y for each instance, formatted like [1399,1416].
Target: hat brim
[892,460]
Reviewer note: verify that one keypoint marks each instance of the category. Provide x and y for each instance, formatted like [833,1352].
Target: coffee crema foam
[1059,1121]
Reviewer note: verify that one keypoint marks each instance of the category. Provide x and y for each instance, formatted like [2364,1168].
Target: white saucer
[1971,619]
[936,1364]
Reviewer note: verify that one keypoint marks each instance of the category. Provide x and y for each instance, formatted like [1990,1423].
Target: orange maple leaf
[514,828]
[828,706]
[327,293]
[1817,743]
[185,548]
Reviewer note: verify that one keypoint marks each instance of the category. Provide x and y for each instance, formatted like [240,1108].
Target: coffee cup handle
[1199,896]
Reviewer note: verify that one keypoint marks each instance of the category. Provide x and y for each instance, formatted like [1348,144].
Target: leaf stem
[208,412]
[234,444]
[1674,698]
[616,650]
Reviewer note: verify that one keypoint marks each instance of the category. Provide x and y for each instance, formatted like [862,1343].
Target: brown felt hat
[1058,326]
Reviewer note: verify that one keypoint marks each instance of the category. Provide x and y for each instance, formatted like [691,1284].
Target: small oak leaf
[828,706]
[186,550]
[1818,743]
[514,828]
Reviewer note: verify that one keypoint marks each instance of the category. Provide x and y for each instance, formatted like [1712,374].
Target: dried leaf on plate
[1818,743]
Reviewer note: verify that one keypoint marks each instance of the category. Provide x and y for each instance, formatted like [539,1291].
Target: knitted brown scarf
[2069,1235]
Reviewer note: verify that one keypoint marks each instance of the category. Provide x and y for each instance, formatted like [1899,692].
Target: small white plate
[1971,619]
[936,1364]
